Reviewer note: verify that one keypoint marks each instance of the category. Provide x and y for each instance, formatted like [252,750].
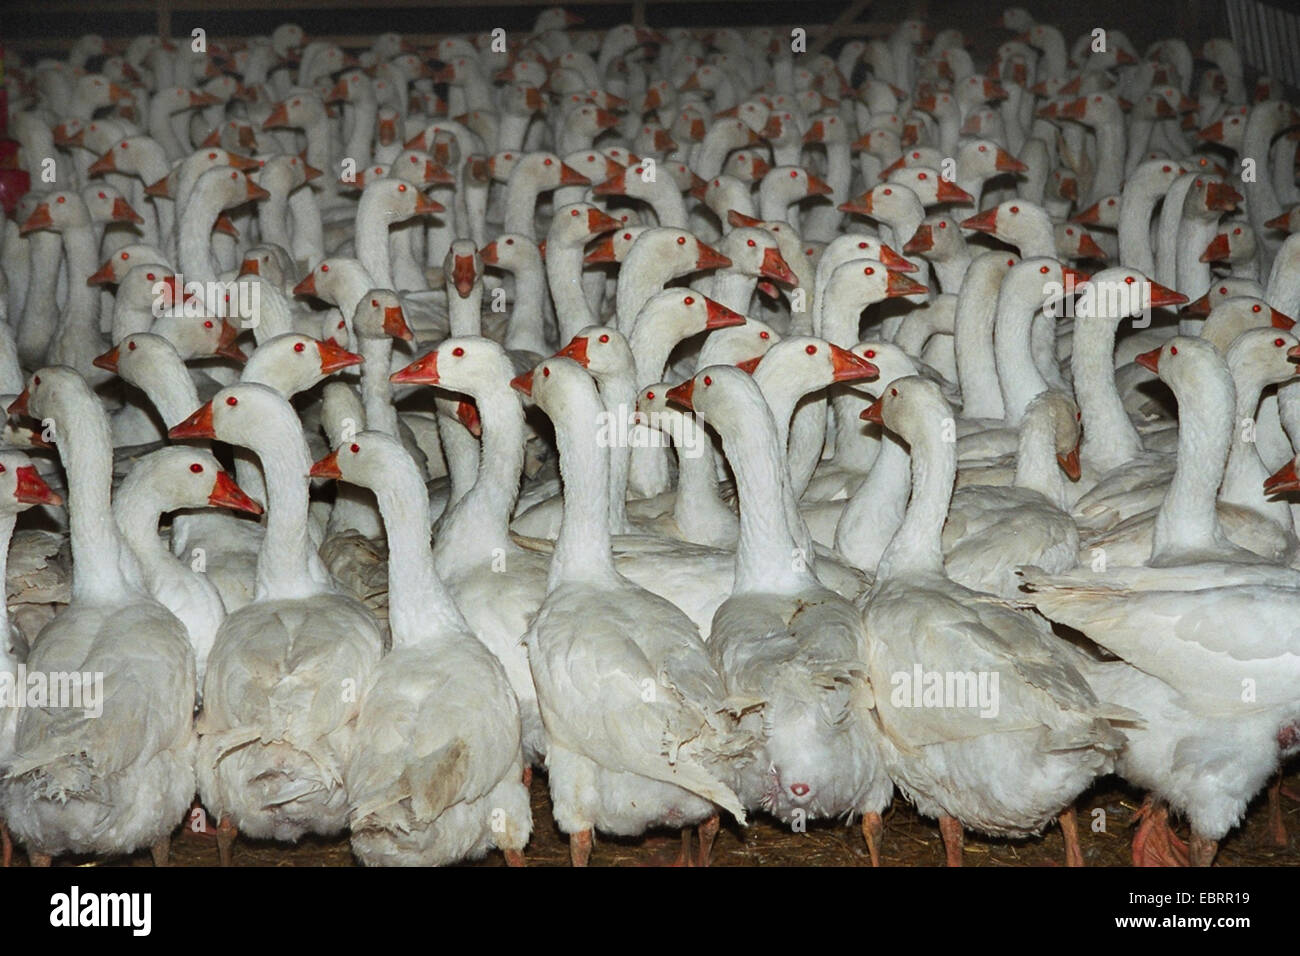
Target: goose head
[200,337]
[397,200]
[366,460]
[652,138]
[603,352]
[57,212]
[559,386]
[914,156]
[827,128]
[793,183]
[463,267]
[352,87]
[1236,243]
[736,344]
[1224,288]
[332,278]
[1188,366]
[124,155]
[547,171]
[911,407]
[754,252]
[1017,222]
[578,222]
[1104,212]
[595,164]
[1261,357]
[106,204]
[20,485]
[246,414]
[228,187]
[1060,413]
[747,165]
[890,362]
[364,177]
[805,364]
[188,477]
[269,261]
[379,315]
[147,285]
[466,364]
[284,173]
[930,187]
[1075,242]
[938,238]
[886,202]
[292,362]
[302,109]
[1235,314]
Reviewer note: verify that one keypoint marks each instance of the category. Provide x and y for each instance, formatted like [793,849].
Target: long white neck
[478,526]
[582,549]
[977,305]
[421,611]
[1036,465]
[916,548]
[1188,522]
[376,390]
[564,277]
[1018,376]
[872,516]
[526,330]
[287,566]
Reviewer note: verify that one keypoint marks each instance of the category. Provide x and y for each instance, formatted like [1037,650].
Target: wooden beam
[837,29]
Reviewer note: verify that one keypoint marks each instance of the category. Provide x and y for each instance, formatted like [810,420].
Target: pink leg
[708,833]
[580,847]
[1070,830]
[873,831]
[953,840]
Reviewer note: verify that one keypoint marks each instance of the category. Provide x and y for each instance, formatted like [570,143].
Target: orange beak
[949,193]
[775,267]
[32,490]
[423,371]
[1217,250]
[899,284]
[1284,479]
[1070,464]
[863,205]
[334,357]
[223,224]
[818,187]
[601,251]
[39,219]
[576,350]
[107,361]
[614,186]
[847,367]
[122,212]
[103,275]
[872,413]
[683,393]
[327,467]
[894,262]
[1162,297]
[424,205]
[250,267]
[1221,197]
[1150,361]
[1006,163]
[1281,321]
[922,241]
[571,177]
[523,383]
[198,425]
[750,365]
[709,258]
[720,317]
[1088,248]
[395,323]
[160,190]
[227,494]
[464,275]
[279,117]
[986,221]
[105,164]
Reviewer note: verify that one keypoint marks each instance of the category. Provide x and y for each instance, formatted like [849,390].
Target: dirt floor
[909,841]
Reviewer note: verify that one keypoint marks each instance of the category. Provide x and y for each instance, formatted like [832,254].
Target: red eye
[603,339]
[1011,262]
[509,156]
[354,448]
[1044,270]
[62,199]
[708,380]
[207,324]
[870,353]
[324,267]
[1129,280]
[130,346]
[413,159]
[149,276]
[374,303]
[808,252]
[1014,210]
[1279,342]
[627,237]
[650,396]
[573,212]
[862,245]
[889,192]
[401,187]
[102,196]
[342,324]
[232,401]
[764,335]
[1173,350]
[689,300]
[1198,184]
[299,346]
[1236,232]
[547,162]
[546,371]
[894,392]
[794,174]
[1069,232]
[869,271]
[1256,308]
[922,176]
[811,349]
[751,243]
[1223,290]
[1110,202]
[681,240]
[458,351]
[984,149]
[212,155]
